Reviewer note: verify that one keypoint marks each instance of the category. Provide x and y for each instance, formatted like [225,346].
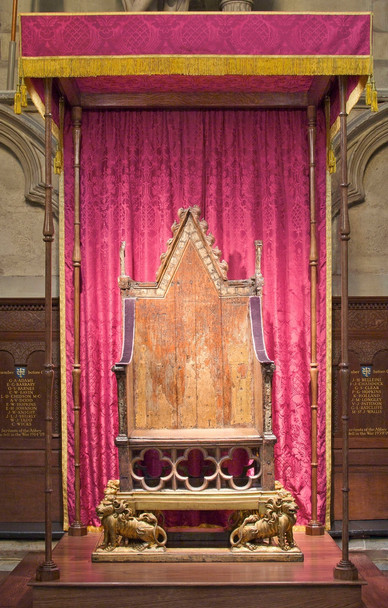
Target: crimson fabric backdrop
[248,172]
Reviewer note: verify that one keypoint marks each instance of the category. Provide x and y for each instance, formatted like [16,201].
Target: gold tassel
[17,106]
[368,92]
[332,161]
[58,162]
[374,105]
[23,92]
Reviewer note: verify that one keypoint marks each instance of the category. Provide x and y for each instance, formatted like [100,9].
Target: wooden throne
[194,385]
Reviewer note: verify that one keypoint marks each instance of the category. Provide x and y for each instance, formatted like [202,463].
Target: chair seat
[231,436]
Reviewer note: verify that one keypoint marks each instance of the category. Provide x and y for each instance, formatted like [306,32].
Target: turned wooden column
[48,571]
[344,570]
[12,49]
[314,527]
[77,528]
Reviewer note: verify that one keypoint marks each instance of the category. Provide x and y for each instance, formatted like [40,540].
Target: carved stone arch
[366,135]
[24,138]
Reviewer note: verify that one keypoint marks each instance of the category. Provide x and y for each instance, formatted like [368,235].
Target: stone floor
[375,548]
[13,551]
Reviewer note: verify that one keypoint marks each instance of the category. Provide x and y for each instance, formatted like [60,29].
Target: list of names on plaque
[368,397]
[19,400]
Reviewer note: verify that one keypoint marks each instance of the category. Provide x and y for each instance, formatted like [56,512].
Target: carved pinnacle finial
[122,258]
[259,279]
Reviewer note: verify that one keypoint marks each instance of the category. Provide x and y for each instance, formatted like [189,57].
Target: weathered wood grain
[193,357]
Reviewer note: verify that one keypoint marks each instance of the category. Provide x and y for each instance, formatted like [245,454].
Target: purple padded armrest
[128,331]
[257,329]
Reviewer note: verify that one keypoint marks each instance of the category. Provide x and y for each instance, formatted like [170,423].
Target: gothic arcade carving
[24,138]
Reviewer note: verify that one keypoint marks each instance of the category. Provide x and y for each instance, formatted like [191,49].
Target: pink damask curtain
[248,171]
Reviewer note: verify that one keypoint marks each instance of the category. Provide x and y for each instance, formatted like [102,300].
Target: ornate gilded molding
[208,240]
[190,228]
[268,371]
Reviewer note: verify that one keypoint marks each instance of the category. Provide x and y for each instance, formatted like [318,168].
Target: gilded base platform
[86,584]
[263,553]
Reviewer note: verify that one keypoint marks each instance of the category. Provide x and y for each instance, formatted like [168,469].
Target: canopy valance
[273,59]
[202,44]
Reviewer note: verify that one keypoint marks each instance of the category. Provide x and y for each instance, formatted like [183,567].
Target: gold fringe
[195,65]
[17,104]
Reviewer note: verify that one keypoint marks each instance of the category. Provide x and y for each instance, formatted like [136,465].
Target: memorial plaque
[22,417]
[369,398]
[22,397]
[368,410]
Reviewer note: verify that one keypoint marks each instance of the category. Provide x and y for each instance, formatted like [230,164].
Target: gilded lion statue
[121,526]
[278,520]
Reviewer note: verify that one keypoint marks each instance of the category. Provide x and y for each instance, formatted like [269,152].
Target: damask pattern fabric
[248,172]
[196,33]
[192,84]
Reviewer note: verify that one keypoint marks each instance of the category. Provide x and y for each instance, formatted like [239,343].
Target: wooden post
[48,571]
[12,49]
[344,570]
[314,527]
[77,528]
